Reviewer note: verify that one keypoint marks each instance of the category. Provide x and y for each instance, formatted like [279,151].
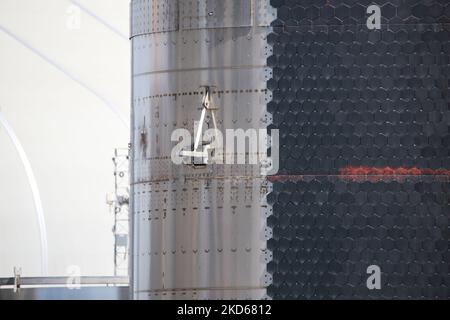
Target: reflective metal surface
[57,288]
[52,281]
[198,233]
[88,293]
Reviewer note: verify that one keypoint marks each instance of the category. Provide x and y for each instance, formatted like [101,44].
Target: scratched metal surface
[197,233]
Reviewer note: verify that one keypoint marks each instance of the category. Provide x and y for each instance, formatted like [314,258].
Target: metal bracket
[17,280]
[207,106]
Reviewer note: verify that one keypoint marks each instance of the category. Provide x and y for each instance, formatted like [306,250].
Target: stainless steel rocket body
[198,232]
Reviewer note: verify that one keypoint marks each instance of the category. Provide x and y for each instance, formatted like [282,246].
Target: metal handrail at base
[63,281]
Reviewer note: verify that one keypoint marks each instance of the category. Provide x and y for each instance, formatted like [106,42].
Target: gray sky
[68,133]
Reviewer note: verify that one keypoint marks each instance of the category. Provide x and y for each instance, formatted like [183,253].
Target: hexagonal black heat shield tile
[356,108]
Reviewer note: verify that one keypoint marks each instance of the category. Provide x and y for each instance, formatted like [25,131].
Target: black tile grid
[344,95]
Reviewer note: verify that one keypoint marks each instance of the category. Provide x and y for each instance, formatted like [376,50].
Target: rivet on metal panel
[267,279]
[268,233]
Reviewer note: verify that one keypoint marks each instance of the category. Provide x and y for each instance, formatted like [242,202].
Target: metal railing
[8,283]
